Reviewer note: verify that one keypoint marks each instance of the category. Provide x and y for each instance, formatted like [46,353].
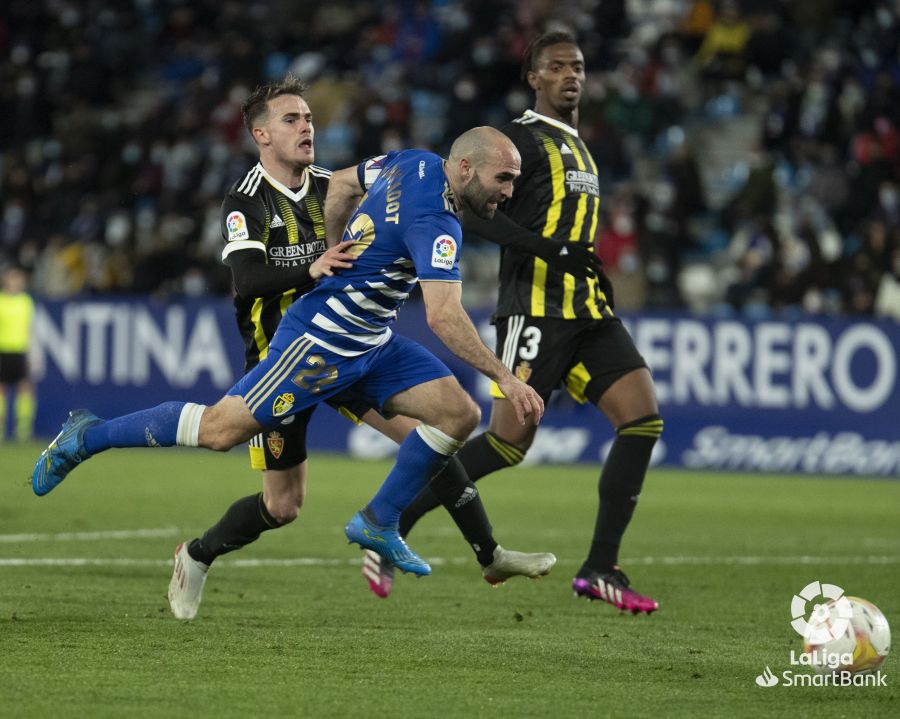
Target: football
[860,647]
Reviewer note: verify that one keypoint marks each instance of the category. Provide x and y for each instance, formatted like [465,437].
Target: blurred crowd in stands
[749,149]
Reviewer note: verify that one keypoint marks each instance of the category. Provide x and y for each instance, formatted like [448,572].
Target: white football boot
[508,563]
[186,586]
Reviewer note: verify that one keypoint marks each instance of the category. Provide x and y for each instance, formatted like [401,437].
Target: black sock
[241,524]
[620,484]
[480,456]
[453,489]
[486,454]
[422,504]
[457,493]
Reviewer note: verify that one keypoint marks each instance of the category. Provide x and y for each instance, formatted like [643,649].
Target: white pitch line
[799,559]
[437,561]
[252,563]
[89,536]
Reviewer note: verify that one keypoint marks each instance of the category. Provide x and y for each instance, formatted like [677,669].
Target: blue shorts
[297,374]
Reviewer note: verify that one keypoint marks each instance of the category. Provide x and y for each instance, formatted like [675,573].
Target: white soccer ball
[861,647]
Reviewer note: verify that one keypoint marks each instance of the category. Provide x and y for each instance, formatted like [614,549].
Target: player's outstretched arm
[569,257]
[344,194]
[253,276]
[449,321]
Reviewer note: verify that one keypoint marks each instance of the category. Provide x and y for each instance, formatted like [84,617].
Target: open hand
[334,258]
[526,402]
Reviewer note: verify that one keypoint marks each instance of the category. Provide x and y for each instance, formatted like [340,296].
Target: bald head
[480,144]
[481,168]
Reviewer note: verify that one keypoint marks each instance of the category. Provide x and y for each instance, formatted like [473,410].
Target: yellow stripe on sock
[650,428]
[639,433]
[507,451]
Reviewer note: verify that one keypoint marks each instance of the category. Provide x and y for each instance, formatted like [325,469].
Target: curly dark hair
[257,105]
[536,47]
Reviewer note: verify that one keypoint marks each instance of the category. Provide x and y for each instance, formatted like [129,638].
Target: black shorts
[285,447]
[13,367]
[584,356]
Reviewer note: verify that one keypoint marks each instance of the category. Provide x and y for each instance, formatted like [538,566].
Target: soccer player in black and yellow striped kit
[556,329]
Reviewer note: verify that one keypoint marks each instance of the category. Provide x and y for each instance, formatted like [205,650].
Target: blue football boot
[64,453]
[387,542]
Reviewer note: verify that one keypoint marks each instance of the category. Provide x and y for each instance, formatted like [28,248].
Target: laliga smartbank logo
[828,620]
[839,652]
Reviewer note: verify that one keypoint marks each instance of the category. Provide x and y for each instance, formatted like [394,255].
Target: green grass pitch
[288,627]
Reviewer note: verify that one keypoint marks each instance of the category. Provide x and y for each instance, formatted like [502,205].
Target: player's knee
[464,418]
[284,509]
[286,514]
[473,416]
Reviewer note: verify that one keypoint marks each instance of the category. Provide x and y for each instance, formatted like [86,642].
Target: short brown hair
[536,47]
[256,105]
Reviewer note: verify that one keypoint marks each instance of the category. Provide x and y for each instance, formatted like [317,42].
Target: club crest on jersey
[283,404]
[523,371]
[237,227]
[443,253]
[276,444]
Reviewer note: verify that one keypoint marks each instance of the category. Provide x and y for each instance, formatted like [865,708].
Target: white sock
[188,433]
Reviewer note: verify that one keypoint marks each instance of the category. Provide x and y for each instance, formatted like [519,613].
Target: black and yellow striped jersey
[558,196]
[261,214]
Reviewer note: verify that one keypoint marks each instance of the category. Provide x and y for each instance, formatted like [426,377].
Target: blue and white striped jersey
[404,231]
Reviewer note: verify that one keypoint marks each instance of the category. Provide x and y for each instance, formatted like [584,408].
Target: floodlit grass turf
[722,553]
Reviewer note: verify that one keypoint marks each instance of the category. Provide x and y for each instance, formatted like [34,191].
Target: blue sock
[416,464]
[154,427]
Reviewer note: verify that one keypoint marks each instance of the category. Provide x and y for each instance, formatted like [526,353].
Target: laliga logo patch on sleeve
[237,227]
[373,168]
[444,252]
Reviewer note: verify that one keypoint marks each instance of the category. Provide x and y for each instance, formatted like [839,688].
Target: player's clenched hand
[527,403]
[572,258]
[578,261]
[334,258]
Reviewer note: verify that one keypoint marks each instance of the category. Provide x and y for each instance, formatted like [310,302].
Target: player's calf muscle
[226,424]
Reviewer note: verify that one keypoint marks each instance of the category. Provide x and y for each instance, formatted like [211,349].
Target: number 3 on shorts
[531,338]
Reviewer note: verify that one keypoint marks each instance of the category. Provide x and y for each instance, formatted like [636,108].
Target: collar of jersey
[295,196]
[551,121]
